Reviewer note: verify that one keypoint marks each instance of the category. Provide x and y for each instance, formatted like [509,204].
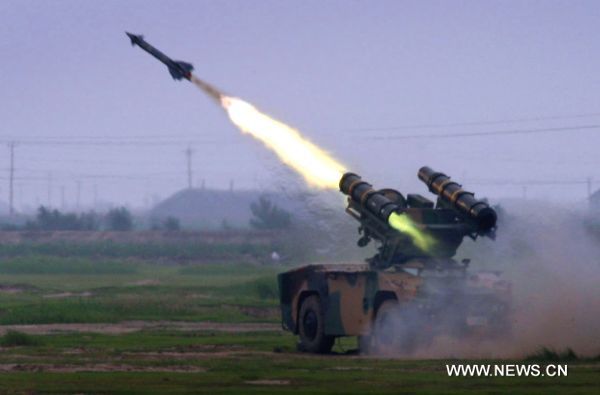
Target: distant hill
[210,208]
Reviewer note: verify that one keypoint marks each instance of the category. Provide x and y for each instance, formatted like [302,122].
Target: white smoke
[553,262]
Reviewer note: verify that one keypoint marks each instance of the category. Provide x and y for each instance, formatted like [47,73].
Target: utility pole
[20,195]
[188,153]
[78,193]
[49,200]
[11,147]
[95,196]
[589,187]
[62,198]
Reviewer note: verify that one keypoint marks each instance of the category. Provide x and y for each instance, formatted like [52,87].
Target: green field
[133,323]
[43,290]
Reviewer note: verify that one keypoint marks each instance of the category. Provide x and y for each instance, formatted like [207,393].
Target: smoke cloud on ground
[553,262]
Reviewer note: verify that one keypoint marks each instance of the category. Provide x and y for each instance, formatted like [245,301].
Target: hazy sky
[354,77]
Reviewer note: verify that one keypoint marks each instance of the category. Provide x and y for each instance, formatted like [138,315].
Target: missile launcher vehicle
[412,290]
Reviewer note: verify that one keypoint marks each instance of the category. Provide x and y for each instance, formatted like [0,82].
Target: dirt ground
[134,326]
[100,367]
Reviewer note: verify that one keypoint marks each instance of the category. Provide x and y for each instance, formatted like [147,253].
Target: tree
[119,219]
[171,223]
[267,215]
[47,219]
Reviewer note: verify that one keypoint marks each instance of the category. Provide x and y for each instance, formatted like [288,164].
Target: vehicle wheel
[394,330]
[311,324]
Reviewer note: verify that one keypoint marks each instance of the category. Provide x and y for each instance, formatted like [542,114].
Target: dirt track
[100,367]
[134,326]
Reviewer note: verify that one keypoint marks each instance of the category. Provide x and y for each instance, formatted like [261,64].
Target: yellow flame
[317,167]
[404,224]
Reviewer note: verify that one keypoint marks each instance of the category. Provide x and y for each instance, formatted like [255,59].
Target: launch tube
[363,193]
[457,198]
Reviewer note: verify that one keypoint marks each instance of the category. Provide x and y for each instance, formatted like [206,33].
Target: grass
[229,363]
[54,346]
[86,310]
[71,290]
[15,338]
[50,265]
[184,250]
[87,284]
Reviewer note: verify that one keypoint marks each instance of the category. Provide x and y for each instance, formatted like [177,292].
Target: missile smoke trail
[210,90]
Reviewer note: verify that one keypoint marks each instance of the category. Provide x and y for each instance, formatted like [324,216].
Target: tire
[311,326]
[394,331]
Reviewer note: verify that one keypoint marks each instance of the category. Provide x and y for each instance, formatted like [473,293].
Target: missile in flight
[177,68]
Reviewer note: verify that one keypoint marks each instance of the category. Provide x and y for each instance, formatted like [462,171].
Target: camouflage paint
[347,292]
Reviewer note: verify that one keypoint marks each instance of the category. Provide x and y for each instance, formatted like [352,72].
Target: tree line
[266,215]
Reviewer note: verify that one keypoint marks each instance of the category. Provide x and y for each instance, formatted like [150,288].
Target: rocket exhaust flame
[317,167]
[403,224]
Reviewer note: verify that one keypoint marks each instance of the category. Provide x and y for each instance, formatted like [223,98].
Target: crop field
[133,322]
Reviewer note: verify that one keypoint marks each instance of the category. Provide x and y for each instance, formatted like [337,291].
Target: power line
[103,136]
[100,175]
[528,183]
[474,123]
[118,143]
[139,144]
[144,161]
[486,134]
[525,185]
[111,177]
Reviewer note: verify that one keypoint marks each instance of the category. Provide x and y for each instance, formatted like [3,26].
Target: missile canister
[452,195]
[379,203]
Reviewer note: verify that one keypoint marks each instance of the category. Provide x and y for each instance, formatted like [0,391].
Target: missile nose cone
[132,37]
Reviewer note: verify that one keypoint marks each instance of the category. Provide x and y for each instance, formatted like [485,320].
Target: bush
[15,338]
[268,215]
[119,219]
[47,219]
[546,354]
[171,223]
